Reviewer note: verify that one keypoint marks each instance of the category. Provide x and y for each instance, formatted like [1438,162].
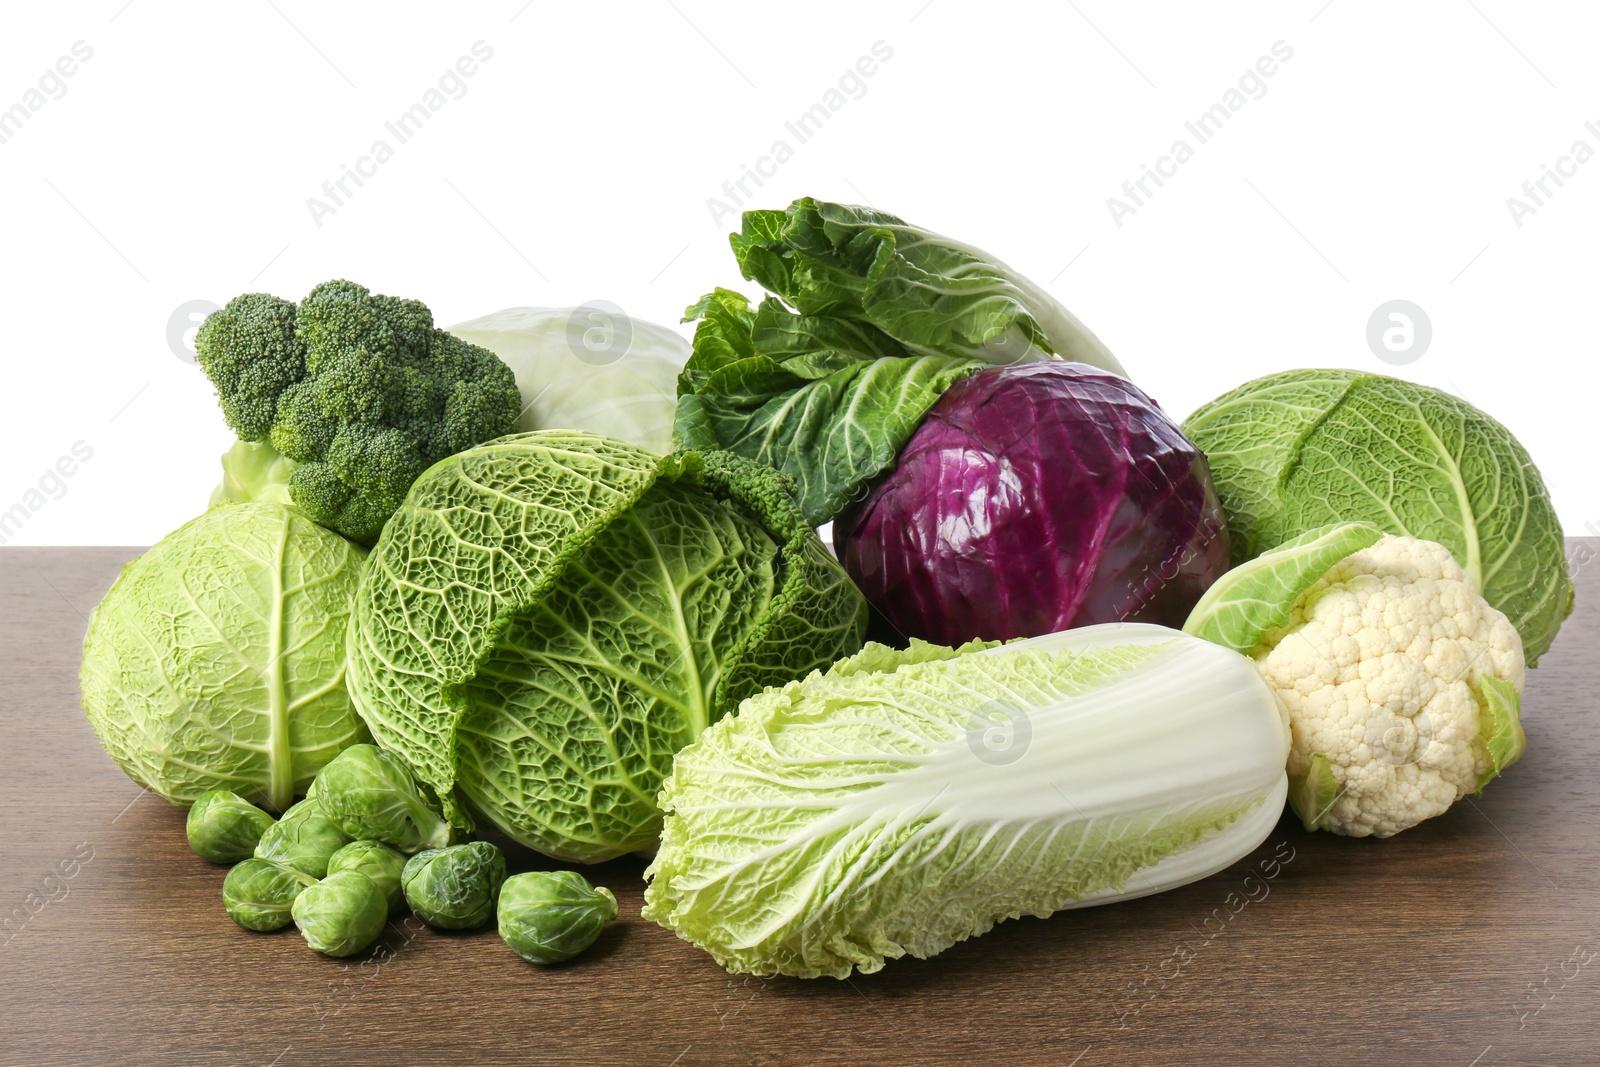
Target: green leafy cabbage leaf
[1299,450]
[871,320]
[900,803]
[551,616]
[217,660]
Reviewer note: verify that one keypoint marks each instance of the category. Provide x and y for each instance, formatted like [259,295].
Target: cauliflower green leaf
[1313,792]
[1256,597]
[1500,728]
[1402,684]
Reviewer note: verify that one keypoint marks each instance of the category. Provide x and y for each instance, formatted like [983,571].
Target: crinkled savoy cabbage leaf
[1295,451]
[551,616]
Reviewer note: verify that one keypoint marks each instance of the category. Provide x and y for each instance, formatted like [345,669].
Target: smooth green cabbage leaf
[217,660]
[589,368]
[551,616]
[899,804]
[1299,450]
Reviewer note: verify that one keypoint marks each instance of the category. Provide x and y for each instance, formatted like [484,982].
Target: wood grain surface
[1469,941]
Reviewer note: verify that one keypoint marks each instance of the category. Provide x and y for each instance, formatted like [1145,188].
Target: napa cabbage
[904,801]
[870,320]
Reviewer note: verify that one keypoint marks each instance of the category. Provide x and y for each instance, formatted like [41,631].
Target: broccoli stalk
[254,470]
[360,391]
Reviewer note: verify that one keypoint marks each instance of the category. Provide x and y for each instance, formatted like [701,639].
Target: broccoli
[360,391]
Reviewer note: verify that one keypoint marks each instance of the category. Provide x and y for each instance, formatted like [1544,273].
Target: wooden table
[1469,941]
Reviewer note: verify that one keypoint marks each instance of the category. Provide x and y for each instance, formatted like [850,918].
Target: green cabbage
[871,320]
[217,659]
[589,368]
[904,801]
[1303,449]
[550,617]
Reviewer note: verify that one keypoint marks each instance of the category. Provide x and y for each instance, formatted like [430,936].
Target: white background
[578,165]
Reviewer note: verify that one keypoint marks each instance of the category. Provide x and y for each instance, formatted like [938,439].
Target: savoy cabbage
[550,617]
[1295,451]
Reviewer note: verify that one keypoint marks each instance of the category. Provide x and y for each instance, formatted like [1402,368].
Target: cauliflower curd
[1402,686]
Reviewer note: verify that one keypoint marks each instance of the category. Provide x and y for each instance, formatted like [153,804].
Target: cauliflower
[1402,686]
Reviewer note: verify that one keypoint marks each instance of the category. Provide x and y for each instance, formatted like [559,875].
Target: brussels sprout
[258,893]
[224,827]
[454,888]
[304,839]
[550,916]
[370,794]
[377,861]
[342,914]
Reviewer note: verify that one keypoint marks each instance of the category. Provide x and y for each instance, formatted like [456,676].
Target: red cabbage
[1033,498]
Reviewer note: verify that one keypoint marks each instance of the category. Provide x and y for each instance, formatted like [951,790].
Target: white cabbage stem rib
[1216,853]
[280,754]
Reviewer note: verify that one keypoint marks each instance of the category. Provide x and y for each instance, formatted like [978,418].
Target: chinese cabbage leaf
[902,802]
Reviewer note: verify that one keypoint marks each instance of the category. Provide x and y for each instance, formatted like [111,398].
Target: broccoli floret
[359,390]
[250,353]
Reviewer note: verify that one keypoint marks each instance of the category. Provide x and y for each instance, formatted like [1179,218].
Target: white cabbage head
[590,368]
[217,659]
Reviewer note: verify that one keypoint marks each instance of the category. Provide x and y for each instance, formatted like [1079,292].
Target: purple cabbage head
[1033,498]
